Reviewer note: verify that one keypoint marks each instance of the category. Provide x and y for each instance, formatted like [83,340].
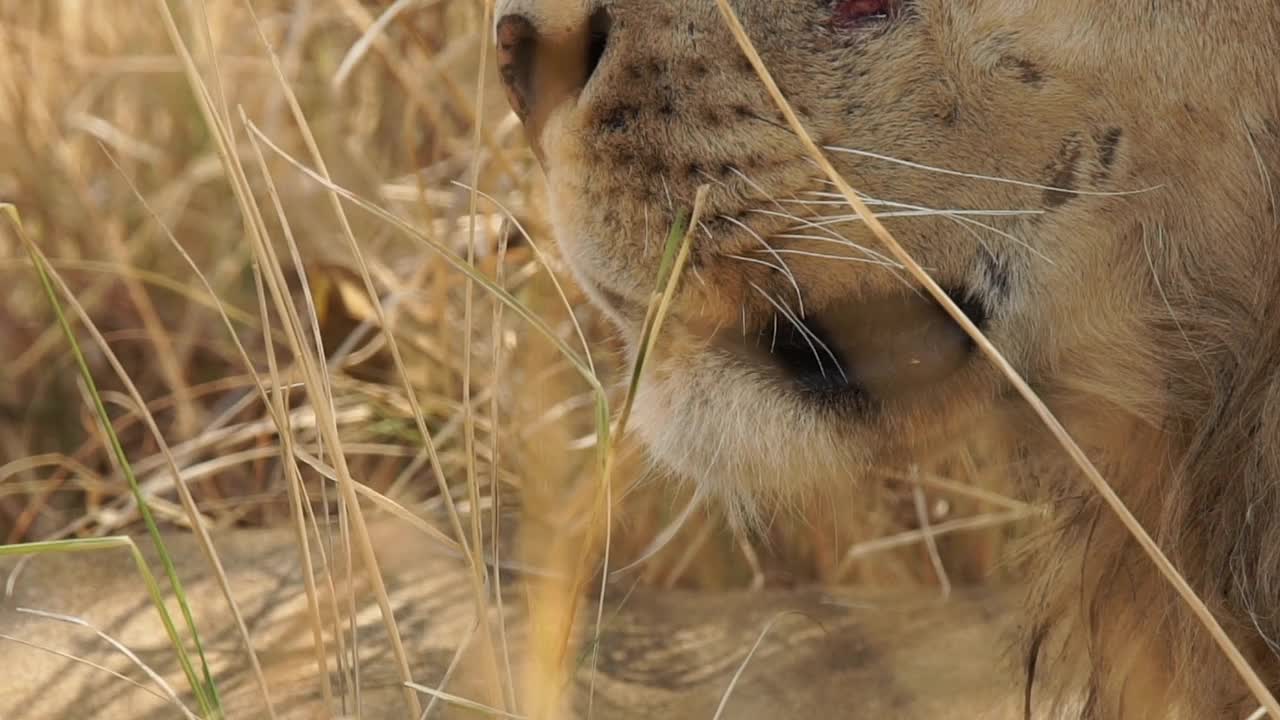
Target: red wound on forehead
[852,13]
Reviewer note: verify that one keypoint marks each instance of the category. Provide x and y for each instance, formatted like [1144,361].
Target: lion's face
[1014,147]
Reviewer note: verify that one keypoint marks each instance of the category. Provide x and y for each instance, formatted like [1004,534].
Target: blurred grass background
[93,99]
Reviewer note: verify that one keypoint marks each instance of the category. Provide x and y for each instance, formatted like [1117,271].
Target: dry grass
[95,102]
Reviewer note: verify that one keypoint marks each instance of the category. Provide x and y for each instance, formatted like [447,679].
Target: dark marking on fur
[1108,144]
[949,115]
[655,166]
[619,118]
[973,306]
[718,225]
[1027,72]
[1062,172]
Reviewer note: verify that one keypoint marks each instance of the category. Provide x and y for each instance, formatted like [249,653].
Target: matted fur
[1128,264]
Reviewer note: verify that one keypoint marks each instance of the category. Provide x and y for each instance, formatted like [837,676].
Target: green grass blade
[205,688]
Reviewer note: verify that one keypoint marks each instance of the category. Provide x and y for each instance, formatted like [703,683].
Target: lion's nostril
[546,60]
[517,50]
[600,25]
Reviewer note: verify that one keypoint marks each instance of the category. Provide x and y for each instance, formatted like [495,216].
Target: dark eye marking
[1062,172]
[854,14]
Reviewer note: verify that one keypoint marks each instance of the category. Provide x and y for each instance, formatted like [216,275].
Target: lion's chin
[743,439]
[762,418]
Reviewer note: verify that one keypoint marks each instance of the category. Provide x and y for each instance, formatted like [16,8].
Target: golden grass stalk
[204,688]
[316,380]
[539,325]
[474,549]
[276,406]
[507,694]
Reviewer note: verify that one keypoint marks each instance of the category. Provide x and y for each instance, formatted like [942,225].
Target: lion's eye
[851,14]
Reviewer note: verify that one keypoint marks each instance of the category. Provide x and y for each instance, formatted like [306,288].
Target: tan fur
[664,655]
[1141,299]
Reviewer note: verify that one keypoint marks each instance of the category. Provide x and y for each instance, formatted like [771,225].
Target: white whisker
[988,178]
[785,269]
[812,340]
[878,257]
[846,258]
[831,235]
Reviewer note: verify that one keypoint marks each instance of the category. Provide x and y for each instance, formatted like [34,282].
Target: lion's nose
[547,55]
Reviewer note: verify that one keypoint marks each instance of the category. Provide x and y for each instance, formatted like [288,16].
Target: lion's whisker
[786,270]
[812,340]
[846,258]
[987,178]
[831,235]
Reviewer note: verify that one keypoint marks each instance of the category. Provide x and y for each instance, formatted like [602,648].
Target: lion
[1092,183]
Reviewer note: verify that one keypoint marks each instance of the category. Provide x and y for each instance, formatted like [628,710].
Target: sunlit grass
[202,684]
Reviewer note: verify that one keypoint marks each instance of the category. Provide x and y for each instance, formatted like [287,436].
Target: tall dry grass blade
[204,540]
[348,234]
[495,481]
[460,264]
[277,406]
[464,703]
[1100,485]
[506,695]
[473,549]
[930,539]
[370,34]
[206,690]
[146,277]
[322,362]
[316,380]
[166,353]
[545,263]
[279,415]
